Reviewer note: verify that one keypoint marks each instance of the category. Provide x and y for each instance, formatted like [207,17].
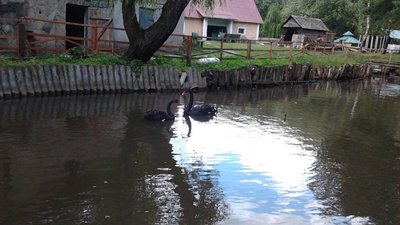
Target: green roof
[348,33]
[347,39]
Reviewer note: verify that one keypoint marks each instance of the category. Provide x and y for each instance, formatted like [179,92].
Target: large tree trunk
[144,43]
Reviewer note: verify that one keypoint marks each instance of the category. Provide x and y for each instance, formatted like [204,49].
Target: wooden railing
[24,42]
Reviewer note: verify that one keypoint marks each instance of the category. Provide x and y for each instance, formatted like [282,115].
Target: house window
[241,30]
[146,17]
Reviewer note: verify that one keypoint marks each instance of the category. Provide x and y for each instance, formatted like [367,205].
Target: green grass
[280,57]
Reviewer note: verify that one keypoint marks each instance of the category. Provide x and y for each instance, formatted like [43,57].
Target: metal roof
[305,22]
[238,10]
[395,34]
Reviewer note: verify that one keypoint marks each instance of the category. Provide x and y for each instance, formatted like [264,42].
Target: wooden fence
[373,43]
[25,41]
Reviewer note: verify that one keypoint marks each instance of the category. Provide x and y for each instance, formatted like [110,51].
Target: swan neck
[169,109]
[190,104]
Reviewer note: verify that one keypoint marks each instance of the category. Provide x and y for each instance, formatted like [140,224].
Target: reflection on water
[323,153]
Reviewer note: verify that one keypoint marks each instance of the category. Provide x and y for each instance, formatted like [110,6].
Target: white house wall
[119,22]
[252,29]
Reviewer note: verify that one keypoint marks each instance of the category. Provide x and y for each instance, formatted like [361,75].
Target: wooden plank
[177,83]
[105,78]
[117,78]
[190,79]
[71,79]
[167,78]
[110,77]
[92,78]
[85,79]
[61,75]
[78,79]
[67,88]
[124,84]
[55,79]
[28,81]
[98,79]
[135,80]
[48,79]
[130,79]
[2,74]
[203,80]
[145,74]
[141,80]
[195,78]
[152,78]
[41,80]
[157,77]
[4,82]
[162,78]
[20,80]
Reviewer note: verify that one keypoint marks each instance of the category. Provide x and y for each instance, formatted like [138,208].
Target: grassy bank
[280,57]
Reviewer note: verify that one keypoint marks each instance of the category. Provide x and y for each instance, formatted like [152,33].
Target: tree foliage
[342,15]
[272,22]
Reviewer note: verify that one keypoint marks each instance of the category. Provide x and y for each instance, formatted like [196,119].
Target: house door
[213,31]
[75,14]
[146,17]
[289,34]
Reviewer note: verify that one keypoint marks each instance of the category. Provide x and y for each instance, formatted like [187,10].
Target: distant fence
[23,41]
[373,43]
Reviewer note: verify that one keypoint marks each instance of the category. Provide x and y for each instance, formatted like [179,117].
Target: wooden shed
[307,27]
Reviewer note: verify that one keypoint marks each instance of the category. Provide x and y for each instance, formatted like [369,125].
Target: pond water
[322,153]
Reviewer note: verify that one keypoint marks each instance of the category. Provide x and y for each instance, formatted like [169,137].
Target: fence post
[21,39]
[270,49]
[315,50]
[248,55]
[221,49]
[188,50]
[290,52]
[94,39]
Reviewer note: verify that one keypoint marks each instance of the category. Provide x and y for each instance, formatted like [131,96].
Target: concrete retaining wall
[83,79]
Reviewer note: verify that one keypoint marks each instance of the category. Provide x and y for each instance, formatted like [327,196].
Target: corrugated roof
[238,10]
[305,22]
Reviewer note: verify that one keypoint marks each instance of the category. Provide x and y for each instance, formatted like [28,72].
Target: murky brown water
[334,159]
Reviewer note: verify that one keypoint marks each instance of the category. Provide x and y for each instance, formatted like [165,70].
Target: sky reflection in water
[263,168]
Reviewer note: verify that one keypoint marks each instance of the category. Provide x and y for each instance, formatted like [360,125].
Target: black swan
[197,110]
[157,115]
